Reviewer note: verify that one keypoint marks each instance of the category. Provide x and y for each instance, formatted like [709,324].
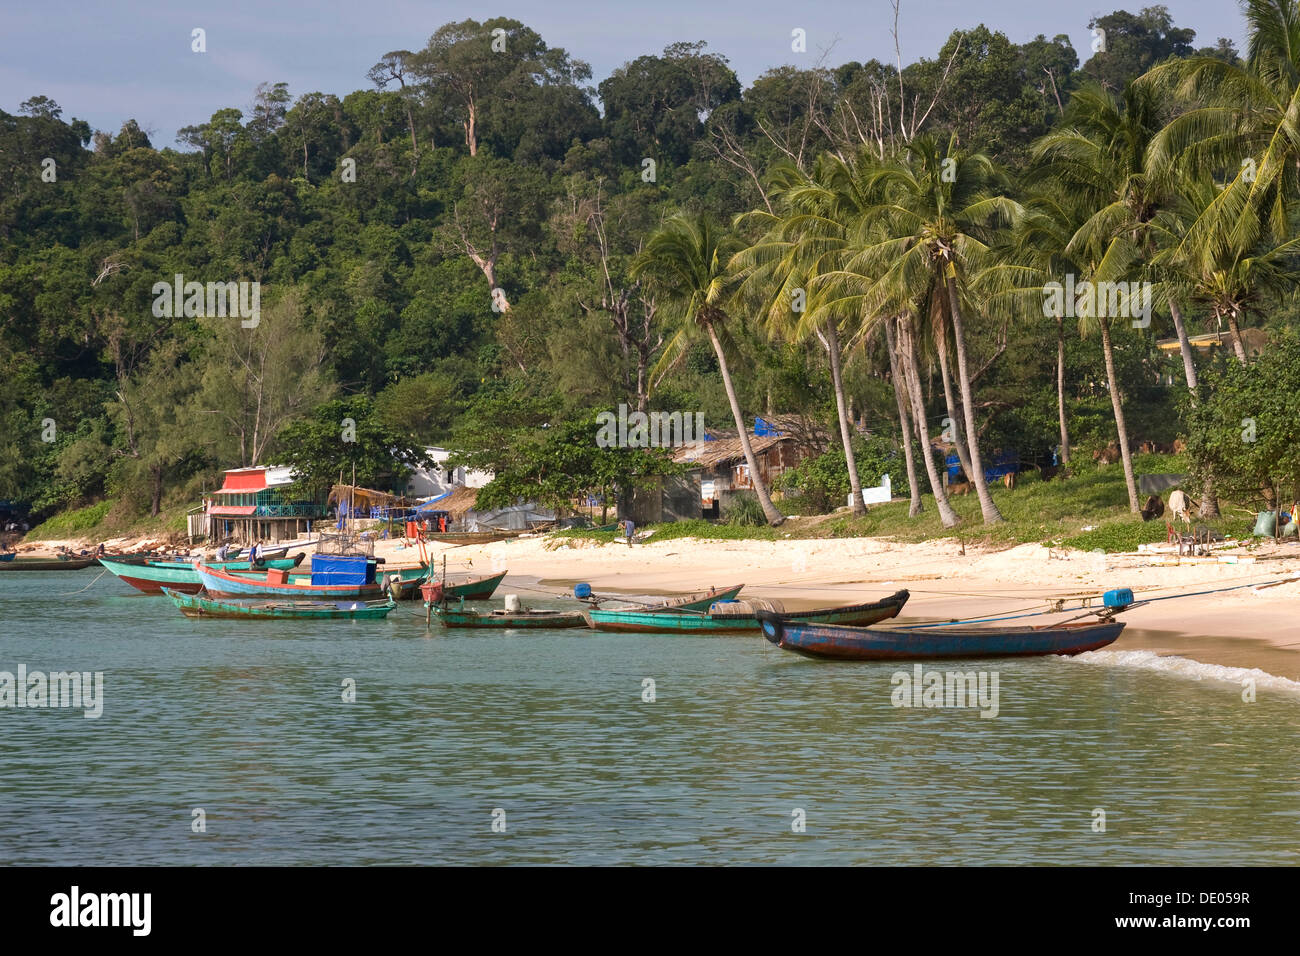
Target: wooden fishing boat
[470,537]
[741,617]
[180,576]
[404,583]
[693,602]
[133,559]
[956,640]
[230,584]
[197,606]
[475,589]
[46,564]
[503,619]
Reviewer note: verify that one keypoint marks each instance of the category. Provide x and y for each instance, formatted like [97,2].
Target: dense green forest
[484,246]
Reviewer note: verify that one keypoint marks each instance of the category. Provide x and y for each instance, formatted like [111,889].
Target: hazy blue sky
[109,60]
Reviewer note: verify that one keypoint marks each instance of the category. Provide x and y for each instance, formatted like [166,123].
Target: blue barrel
[582,591]
[1118,597]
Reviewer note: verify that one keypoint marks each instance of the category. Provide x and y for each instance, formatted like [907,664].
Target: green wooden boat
[195,606]
[692,602]
[741,617]
[475,589]
[502,619]
[153,577]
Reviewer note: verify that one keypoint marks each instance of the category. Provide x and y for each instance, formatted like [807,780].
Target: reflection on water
[248,722]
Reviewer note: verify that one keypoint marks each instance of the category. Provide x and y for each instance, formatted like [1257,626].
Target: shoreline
[1242,627]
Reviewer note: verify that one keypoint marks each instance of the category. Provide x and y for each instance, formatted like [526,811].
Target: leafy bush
[744,510]
[71,524]
[823,482]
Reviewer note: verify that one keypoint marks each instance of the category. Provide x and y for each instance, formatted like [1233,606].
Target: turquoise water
[247,722]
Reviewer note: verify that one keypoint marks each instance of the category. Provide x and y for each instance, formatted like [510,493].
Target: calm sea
[540,747]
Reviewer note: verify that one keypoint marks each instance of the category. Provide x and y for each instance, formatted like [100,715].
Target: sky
[106,61]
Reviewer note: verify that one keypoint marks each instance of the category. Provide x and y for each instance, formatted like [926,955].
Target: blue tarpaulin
[351,569]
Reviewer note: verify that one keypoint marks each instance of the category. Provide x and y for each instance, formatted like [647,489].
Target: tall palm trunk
[912,373]
[1109,351]
[1237,345]
[1209,499]
[954,417]
[1184,346]
[987,507]
[773,516]
[1060,390]
[915,507]
[841,408]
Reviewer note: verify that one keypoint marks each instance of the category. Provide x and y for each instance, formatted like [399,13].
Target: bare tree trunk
[156,490]
[989,509]
[915,507]
[1117,405]
[841,408]
[913,375]
[773,516]
[1060,390]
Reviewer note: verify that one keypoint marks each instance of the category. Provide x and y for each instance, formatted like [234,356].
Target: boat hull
[46,564]
[198,607]
[471,537]
[512,621]
[926,643]
[152,578]
[640,622]
[693,602]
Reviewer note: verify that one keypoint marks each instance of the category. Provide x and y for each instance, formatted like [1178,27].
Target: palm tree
[935,211]
[1101,158]
[802,239]
[1244,119]
[1031,256]
[1218,253]
[686,260]
[850,289]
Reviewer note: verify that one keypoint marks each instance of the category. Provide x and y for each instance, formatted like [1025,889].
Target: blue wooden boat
[912,643]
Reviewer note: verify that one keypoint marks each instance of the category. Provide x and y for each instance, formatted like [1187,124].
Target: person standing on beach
[628,529]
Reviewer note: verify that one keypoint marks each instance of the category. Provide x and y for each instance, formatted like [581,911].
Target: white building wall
[435,481]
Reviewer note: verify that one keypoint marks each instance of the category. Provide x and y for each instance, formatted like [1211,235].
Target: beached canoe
[470,537]
[502,619]
[197,606]
[956,640]
[230,584]
[692,602]
[741,617]
[180,576]
[46,564]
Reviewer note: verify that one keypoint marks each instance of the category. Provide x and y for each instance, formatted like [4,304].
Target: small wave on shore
[1188,668]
